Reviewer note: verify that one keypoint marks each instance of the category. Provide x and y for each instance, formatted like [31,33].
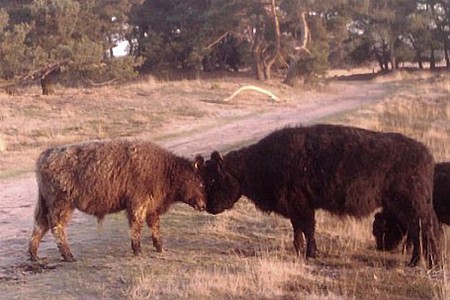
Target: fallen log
[272,96]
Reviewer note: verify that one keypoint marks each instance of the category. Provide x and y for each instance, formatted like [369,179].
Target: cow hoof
[34,258]
[69,259]
[413,263]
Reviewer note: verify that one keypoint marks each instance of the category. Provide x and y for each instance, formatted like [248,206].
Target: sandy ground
[18,194]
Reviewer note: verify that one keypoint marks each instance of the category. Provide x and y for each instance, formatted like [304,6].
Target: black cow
[389,231]
[344,170]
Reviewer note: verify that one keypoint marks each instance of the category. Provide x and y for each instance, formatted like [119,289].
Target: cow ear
[198,162]
[215,156]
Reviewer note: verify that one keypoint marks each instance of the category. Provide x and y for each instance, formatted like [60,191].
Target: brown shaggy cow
[103,177]
[344,170]
[388,231]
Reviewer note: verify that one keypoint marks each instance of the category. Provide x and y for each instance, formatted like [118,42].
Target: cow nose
[202,206]
[198,204]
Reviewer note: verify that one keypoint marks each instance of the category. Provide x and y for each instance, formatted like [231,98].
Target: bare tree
[276,51]
[300,48]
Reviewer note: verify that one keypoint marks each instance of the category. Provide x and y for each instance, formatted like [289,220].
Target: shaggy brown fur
[103,177]
[344,170]
[389,232]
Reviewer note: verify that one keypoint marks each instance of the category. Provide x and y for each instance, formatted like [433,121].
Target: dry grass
[246,254]
[421,110]
[266,277]
[418,108]
[241,253]
[348,267]
[147,108]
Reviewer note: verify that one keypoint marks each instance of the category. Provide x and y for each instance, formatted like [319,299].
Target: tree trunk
[446,55]
[110,50]
[292,72]
[274,54]
[304,40]
[379,58]
[386,57]
[417,52]
[258,67]
[419,59]
[393,56]
[432,59]
[49,79]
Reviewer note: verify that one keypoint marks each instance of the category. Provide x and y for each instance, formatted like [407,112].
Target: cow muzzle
[198,204]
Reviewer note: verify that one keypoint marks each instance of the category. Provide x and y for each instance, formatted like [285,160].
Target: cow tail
[41,213]
[41,226]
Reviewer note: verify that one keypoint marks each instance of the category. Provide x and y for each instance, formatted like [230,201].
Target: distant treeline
[76,39]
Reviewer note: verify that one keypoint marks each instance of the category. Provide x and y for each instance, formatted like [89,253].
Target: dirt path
[18,195]
[234,134]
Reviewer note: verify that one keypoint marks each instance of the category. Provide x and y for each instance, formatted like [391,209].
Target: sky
[121,49]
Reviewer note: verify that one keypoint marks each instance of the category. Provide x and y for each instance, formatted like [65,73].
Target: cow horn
[217,157]
[198,162]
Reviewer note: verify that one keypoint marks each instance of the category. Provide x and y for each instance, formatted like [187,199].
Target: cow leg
[304,223]
[41,227]
[154,225]
[431,232]
[38,233]
[414,236]
[135,220]
[422,237]
[58,219]
[309,224]
[298,239]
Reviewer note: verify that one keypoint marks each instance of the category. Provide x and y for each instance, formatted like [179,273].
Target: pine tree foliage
[289,38]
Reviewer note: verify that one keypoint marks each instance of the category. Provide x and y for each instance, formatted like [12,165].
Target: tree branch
[274,54]
[305,37]
[217,40]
